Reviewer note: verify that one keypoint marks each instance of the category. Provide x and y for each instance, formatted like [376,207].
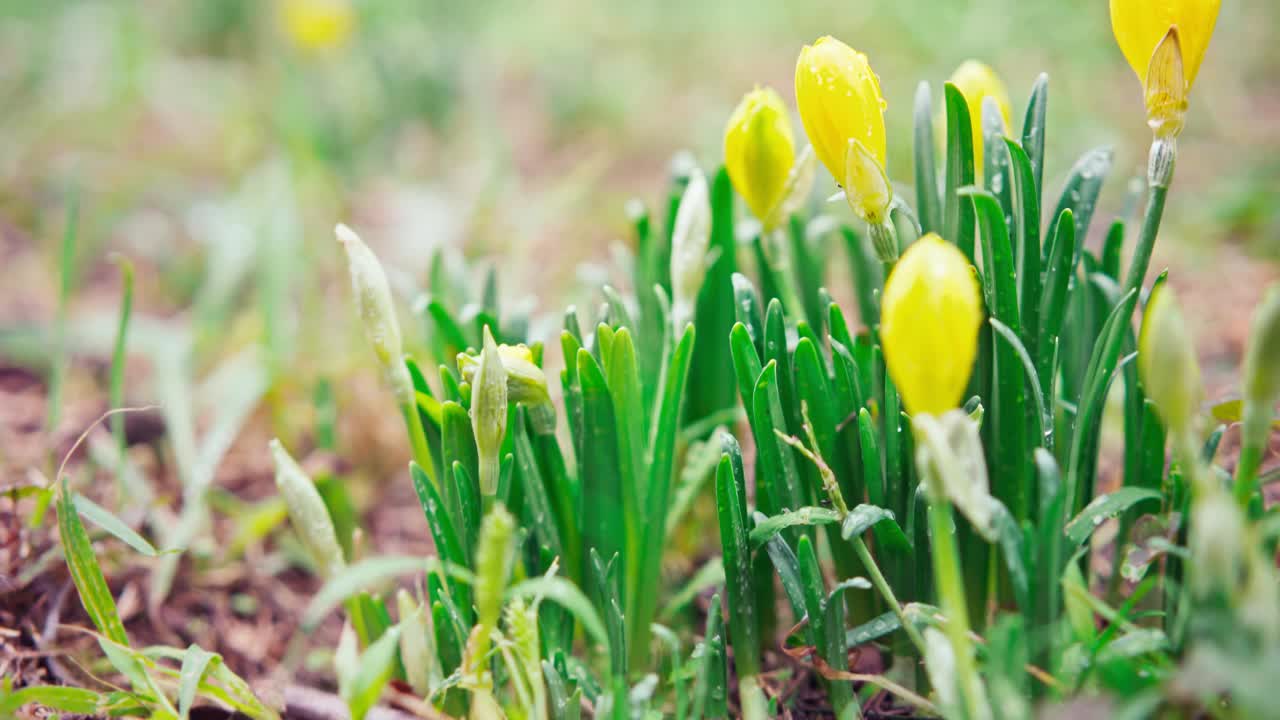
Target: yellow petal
[759,151]
[976,81]
[1140,25]
[932,311]
[839,100]
[866,187]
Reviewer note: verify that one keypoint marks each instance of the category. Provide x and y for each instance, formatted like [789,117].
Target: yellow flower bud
[489,411]
[931,314]
[840,105]
[1167,362]
[317,24]
[976,81]
[1164,42]
[759,152]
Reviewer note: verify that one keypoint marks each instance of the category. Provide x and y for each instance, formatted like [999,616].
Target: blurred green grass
[518,130]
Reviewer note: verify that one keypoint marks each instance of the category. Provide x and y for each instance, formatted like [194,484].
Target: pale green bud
[1167,363]
[346,660]
[489,411]
[1262,363]
[307,511]
[417,644]
[1217,544]
[690,239]
[495,553]
[377,311]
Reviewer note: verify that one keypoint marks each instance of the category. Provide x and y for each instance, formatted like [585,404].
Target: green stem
[1254,435]
[418,441]
[1164,153]
[882,585]
[946,569]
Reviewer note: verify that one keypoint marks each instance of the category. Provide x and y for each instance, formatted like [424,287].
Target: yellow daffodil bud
[489,411]
[1164,42]
[840,105]
[930,317]
[526,383]
[759,152]
[315,25]
[1167,362]
[307,512]
[976,81]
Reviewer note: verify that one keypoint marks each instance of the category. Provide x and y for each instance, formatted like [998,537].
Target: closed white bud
[690,239]
[417,645]
[307,512]
[377,311]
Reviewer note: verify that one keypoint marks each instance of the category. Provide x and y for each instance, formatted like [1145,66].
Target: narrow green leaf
[78,701]
[87,575]
[103,518]
[864,517]
[1106,506]
[606,525]
[765,531]
[1080,193]
[1033,128]
[1061,252]
[195,663]
[566,595]
[957,216]
[873,629]
[926,174]
[731,506]
[377,666]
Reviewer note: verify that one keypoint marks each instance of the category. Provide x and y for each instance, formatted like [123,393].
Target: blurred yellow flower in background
[977,82]
[315,25]
[759,152]
[840,104]
[932,311]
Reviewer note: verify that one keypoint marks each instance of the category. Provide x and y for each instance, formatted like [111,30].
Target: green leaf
[777,461]
[1098,376]
[1061,253]
[103,518]
[1080,193]
[731,508]
[864,517]
[78,701]
[377,666]
[765,530]
[867,276]
[788,567]
[87,575]
[926,174]
[1026,205]
[1033,128]
[710,694]
[1010,454]
[710,575]
[957,213]
[195,663]
[1044,419]
[746,306]
[873,629]
[566,595]
[1103,507]
[448,545]
[712,389]
[358,577]
[605,521]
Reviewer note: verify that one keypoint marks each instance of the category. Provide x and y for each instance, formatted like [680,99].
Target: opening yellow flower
[842,110]
[1164,42]
[759,152]
[977,82]
[931,314]
[317,24]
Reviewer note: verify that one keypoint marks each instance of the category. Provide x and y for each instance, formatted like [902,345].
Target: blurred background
[216,143]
